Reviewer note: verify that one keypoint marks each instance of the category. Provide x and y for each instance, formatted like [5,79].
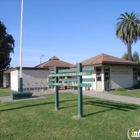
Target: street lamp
[21,38]
[41,58]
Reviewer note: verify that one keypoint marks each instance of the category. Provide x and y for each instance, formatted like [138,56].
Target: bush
[119,89]
[136,86]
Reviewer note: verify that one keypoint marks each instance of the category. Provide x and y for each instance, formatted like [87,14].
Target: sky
[72,30]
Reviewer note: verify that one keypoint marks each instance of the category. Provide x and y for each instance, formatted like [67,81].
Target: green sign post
[56,80]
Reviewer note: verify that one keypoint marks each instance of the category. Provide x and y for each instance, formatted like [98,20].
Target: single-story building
[34,78]
[111,72]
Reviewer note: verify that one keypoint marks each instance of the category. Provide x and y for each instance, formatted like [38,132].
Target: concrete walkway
[101,95]
[125,99]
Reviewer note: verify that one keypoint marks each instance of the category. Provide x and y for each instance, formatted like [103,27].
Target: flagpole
[21,38]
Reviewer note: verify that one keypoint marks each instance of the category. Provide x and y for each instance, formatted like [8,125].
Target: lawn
[4,92]
[37,119]
[131,93]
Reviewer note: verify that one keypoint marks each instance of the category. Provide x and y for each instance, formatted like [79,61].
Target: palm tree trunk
[129,51]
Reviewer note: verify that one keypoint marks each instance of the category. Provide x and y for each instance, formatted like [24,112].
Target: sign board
[69,84]
[70,74]
[57,78]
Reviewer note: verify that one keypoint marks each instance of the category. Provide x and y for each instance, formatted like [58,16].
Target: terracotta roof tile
[104,59]
[54,61]
[23,68]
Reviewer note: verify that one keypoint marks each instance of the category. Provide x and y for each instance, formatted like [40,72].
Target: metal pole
[21,38]
[41,58]
[56,90]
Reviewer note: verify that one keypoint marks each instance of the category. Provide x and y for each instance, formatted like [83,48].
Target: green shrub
[119,89]
[136,86]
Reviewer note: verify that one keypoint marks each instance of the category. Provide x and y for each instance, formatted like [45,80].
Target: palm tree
[128,30]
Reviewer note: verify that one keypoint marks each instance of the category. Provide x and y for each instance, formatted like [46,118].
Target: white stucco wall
[35,79]
[102,78]
[4,80]
[93,84]
[14,80]
[121,77]
[85,88]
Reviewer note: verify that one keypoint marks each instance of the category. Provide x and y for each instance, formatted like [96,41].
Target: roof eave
[108,64]
[120,64]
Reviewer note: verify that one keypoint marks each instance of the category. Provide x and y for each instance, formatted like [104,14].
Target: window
[98,74]
[135,74]
[106,74]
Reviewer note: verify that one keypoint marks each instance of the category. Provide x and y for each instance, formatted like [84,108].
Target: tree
[135,56]
[125,56]
[6,47]
[128,30]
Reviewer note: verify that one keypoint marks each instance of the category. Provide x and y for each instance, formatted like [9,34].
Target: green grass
[4,92]
[37,119]
[119,89]
[130,93]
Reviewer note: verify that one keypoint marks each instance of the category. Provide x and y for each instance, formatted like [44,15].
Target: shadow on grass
[39,104]
[107,105]
[94,113]
[26,106]
[67,107]
[110,106]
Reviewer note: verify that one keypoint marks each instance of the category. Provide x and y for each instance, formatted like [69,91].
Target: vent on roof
[54,58]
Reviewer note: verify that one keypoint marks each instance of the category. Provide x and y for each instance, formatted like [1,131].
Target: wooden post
[80,94]
[78,73]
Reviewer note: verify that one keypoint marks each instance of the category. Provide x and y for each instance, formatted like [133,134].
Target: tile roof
[54,61]
[104,59]
[23,68]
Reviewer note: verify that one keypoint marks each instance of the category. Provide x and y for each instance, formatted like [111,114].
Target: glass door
[99,79]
